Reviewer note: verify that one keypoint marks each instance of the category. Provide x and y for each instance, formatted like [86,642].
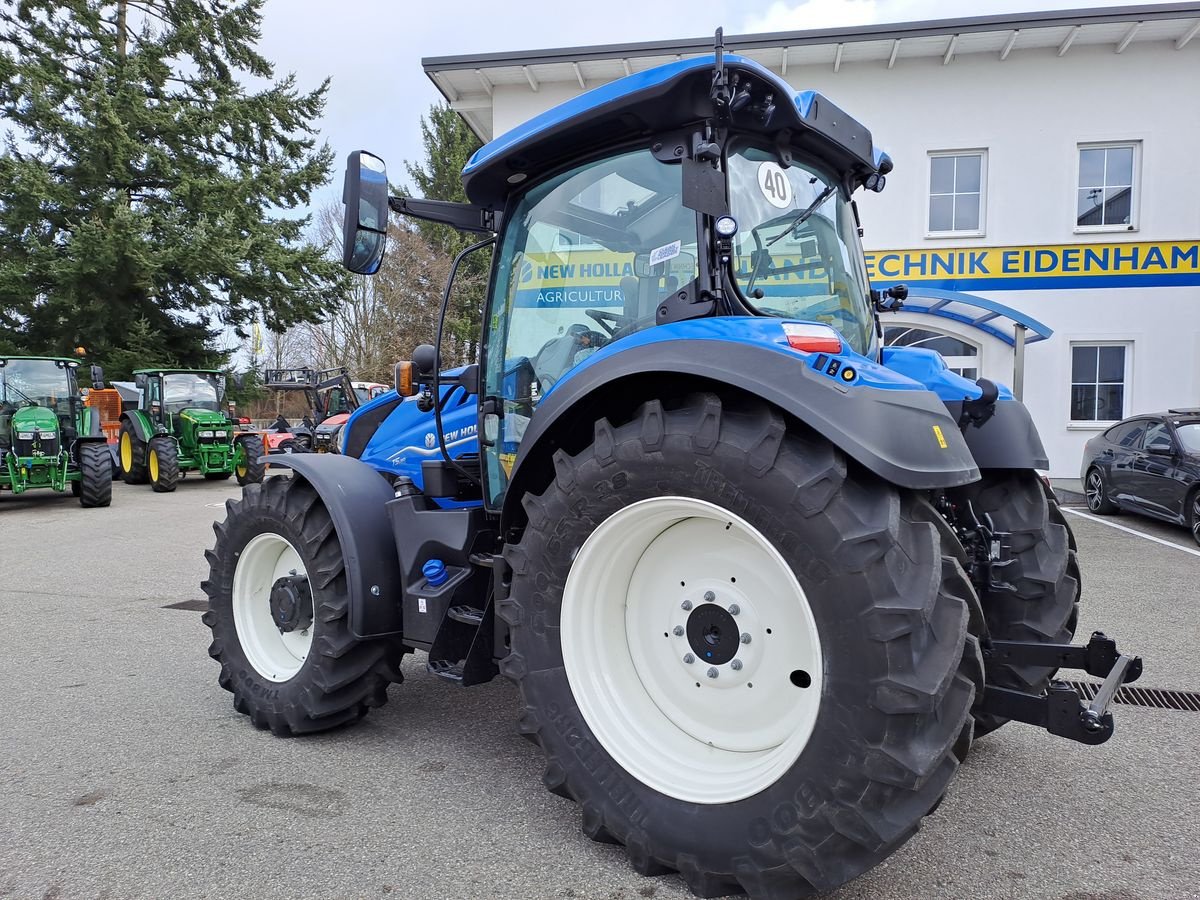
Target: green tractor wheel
[252,468]
[131,456]
[162,464]
[95,483]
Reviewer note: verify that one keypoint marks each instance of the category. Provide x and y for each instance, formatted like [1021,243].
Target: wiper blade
[804,216]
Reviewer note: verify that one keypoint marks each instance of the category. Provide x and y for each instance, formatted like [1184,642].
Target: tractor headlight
[25,435]
[221,434]
[206,434]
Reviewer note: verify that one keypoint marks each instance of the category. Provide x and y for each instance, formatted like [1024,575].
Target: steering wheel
[610,322]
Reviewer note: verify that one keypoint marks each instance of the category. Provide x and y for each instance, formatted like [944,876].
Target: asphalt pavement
[125,772]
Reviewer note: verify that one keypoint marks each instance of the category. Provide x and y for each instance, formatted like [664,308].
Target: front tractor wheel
[278,607]
[95,476]
[162,464]
[251,468]
[747,661]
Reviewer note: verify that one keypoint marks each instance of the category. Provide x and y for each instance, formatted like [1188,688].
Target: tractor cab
[39,401]
[182,400]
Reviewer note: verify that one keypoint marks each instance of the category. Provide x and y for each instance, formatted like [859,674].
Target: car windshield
[797,254]
[1189,436]
[190,390]
[37,382]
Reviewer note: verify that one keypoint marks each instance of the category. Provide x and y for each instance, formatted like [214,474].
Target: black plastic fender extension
[1007,439]
[357,499]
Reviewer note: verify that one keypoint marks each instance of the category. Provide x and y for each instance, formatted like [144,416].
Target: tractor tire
[131,456]
[95,482]
[162,464]
[254,469]
[306,679]
[291,446]
[1040,601]
[849,711]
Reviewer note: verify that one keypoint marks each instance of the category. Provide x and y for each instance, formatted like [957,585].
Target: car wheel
[1193,506]
[1097,494]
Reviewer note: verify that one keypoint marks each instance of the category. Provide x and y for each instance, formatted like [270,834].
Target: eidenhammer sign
[1148,264]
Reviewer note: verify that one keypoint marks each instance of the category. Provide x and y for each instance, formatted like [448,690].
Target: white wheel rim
[735,734]
[275,655]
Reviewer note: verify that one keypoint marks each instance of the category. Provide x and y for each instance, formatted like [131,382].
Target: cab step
[468,615]
[443,668]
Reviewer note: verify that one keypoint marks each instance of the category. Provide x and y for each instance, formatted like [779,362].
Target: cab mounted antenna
[720,93]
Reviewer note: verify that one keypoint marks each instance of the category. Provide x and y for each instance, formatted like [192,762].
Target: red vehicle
[331,397]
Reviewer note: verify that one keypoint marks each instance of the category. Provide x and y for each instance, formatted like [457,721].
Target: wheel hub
[291,604]
[713,634]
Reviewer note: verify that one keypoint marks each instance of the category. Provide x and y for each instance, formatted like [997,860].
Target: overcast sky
[372,49]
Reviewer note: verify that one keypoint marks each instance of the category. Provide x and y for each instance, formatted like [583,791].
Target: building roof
[469,82]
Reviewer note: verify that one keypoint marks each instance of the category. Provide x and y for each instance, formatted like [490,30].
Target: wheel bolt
[736,665]
[688,658]
[712,673]
[745,637]
[686,605]
[734,609]
[678,631]
[709,596]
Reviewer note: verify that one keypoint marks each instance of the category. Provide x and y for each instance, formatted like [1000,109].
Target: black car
[1148,464]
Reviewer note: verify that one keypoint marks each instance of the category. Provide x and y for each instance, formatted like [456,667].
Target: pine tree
[448,144]
[145,186]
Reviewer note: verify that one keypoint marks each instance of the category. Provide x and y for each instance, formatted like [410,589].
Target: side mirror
[141,381]
[1160,449]
[97,378]
[364,226]
[425,361]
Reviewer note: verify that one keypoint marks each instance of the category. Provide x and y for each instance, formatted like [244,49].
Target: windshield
[1189,436]
[797,254]
[585,260]
[190,391]
[37,382]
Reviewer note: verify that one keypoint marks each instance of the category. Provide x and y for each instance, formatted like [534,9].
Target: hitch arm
[1060,710]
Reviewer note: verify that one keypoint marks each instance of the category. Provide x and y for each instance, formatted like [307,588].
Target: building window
[1105,199]
[1098,382]
[961,358]
[957,186]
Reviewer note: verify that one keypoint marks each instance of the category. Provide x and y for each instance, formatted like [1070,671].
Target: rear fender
[357,497]
[140,424]
[890,424]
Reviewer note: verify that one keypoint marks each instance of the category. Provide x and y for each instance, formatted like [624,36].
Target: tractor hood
[30,417]
[204,418]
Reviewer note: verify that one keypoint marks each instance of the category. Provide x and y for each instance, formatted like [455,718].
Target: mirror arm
[463,216]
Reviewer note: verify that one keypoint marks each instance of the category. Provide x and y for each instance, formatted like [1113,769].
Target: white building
[1045,189]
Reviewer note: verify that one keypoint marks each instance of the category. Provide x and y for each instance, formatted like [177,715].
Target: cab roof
[74,363]
[166,371]
[660,100]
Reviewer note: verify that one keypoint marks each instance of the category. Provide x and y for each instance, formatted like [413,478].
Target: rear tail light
[809,338]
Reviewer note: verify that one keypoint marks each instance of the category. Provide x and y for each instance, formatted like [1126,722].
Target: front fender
[890,424]
[140,424]
[356,497]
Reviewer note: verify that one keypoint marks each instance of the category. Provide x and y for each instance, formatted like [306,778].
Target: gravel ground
[125,772]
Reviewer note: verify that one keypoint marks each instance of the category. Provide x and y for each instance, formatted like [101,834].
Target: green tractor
[48,439]
[180,426]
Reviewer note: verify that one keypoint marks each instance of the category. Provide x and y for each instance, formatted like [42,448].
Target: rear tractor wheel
[278,608]
[746,660]
[252,468]
[162,464]
[131,455]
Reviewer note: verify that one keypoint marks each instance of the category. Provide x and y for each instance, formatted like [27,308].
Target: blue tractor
[760,580]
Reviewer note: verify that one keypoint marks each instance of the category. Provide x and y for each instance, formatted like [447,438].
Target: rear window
[1128,434]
